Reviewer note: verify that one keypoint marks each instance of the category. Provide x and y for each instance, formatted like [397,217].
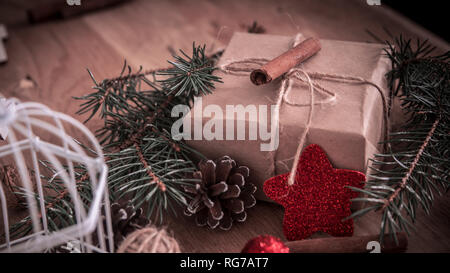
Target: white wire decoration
[19,124]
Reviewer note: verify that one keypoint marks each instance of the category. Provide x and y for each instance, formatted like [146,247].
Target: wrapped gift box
[348,128]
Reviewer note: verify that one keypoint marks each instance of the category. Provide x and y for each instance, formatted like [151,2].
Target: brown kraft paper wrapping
[348,128]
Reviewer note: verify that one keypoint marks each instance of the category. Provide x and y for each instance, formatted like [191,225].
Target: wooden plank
[54,56]
[265,218]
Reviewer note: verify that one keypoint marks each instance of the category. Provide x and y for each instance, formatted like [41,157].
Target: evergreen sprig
[416,164]
[59,207]
[190,76]
[146,166]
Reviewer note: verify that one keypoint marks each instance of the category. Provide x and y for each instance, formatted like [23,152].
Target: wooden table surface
[55,55]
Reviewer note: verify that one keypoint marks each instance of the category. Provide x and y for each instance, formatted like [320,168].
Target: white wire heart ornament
[7,109]
[33,134]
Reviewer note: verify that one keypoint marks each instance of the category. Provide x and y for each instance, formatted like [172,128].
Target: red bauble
[318,200]
[265,244]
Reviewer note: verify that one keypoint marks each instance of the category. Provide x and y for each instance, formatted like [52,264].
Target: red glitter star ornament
[318,200]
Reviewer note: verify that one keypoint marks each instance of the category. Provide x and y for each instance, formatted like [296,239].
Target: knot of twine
[149,240]
[304,77]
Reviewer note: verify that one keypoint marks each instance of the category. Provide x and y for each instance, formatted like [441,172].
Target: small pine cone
[125,219]
[222,195]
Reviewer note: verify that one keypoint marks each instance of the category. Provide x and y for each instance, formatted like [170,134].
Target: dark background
[430,14]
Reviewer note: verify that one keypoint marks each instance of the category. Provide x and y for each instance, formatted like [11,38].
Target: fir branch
[141,132]
[59,208]
[190,76]
[148,169]
[412,167]
[416,164]
[256,28]
[137,122]
[145,163]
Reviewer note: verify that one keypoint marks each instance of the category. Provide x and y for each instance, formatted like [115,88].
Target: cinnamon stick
[285,61]
[355,244]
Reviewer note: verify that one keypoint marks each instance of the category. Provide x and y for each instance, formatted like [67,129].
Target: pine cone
[222,195]
[125,219]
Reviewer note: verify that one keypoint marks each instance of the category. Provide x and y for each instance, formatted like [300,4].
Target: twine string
[305,77]
[149,240]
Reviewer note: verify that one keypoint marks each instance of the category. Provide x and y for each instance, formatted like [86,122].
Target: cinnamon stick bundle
[285,61]
[355,244]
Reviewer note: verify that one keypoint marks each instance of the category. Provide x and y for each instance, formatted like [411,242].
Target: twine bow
[304,77]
